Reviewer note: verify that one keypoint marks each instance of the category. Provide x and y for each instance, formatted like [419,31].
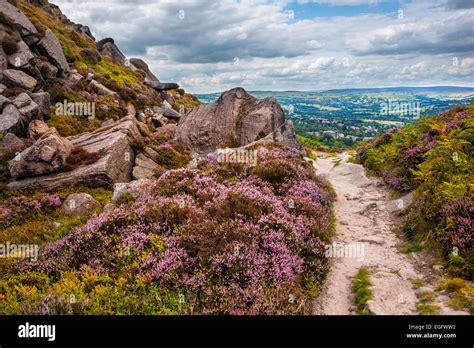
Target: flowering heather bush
[459,219]
[228,247]
[434,157]
[16,209]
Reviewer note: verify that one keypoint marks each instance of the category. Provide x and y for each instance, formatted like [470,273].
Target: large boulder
[17,78]
[107,47]
[117,158]
[51,47]
[14,15]
[47,155]
[236,118]
[141,65]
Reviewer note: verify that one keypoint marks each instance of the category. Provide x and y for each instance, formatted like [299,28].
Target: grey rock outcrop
[141,65]
[47,155]
[235,118]
[51,47]
[107,47]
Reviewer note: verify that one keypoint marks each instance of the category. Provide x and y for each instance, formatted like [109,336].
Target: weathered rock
[168,112]
[43,100]
[237,118]
[84,30]
[102,90]
[141,65]
[51,47]
[4,101]
[399,205]
[2,87]
[27,107]
[37,128]
[22,57]
[47,155]
[115,164]
[11,121]
[48,68]
[12,142]
[145,168]
[80,204]
[17,78]
[13,14]
[3,61]
[159,86]
[108,48]
[133,188]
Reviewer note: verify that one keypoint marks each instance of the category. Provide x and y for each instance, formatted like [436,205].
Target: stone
[438,268]
[3,61]
[4,101]
[133,188]
[80,204]
[22,57]
[158,86]
[17,78]
[47,155]
[344,223]
[84,30]
[27,107]
[145,168]
[51,47]
[400,204]
[373,240]
[354,173]
[141,65]
[367,207]
[236,117]
[13,14]
[50,68]
[102,90]
[43,99]
[12,142]
[150,153]
[422,290]
[2,87]
[108,48]
[37,128]
[115,165]
[11,121]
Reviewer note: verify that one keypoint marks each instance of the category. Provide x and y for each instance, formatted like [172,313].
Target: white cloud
[195,42]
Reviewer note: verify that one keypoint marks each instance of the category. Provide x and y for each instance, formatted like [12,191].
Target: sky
[214,45]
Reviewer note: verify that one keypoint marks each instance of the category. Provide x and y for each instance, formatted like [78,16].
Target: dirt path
[365,234]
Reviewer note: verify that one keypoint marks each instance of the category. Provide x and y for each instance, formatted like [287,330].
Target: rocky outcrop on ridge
[235,119]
